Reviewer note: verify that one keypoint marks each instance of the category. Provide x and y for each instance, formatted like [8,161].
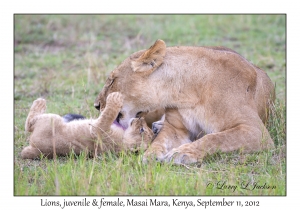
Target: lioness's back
[232,61]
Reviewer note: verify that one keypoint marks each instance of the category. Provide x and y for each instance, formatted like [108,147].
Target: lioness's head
[138,135]
[131,79]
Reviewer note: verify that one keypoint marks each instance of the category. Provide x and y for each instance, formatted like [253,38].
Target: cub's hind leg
[38,107]
[30,153]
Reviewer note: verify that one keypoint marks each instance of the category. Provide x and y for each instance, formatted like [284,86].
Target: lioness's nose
[97,105]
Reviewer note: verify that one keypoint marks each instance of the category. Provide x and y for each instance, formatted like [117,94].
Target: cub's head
[138,135]
[131,78]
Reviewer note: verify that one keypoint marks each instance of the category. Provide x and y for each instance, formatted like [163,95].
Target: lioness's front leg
[247,138]
[172,134]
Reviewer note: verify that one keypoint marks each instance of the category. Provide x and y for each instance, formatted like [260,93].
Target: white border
[7,199]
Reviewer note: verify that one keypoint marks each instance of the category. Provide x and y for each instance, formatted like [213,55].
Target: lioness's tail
[38,107]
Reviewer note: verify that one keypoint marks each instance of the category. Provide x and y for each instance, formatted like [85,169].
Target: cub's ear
[150,59]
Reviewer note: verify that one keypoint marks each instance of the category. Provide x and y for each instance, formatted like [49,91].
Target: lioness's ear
[150,59]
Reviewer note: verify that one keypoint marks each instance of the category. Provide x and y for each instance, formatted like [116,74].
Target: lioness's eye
[138,114]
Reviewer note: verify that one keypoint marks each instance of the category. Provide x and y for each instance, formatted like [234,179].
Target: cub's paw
[115,100]
[38,105]
[157,126]
[30,153]
[183,155]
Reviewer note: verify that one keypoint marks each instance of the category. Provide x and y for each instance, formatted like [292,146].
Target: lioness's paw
[183,155]
[39,105]
[152,155]
[115,99]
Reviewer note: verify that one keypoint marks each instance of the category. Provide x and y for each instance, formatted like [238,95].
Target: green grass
[65,59]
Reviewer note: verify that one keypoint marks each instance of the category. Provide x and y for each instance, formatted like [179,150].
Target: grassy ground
[65,59]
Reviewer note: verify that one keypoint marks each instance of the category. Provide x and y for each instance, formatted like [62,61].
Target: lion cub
[50,132]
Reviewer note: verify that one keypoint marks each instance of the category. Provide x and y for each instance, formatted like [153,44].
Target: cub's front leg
[113,106]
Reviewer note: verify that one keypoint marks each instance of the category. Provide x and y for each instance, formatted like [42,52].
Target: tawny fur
[51,135]
[213,92]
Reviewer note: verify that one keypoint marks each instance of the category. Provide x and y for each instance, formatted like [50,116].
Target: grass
[65,59]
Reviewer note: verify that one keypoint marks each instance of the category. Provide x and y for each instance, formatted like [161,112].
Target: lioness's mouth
[120,116]
[118,124]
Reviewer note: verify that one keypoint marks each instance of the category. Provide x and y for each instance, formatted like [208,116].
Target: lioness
[206,91]
[52,132]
